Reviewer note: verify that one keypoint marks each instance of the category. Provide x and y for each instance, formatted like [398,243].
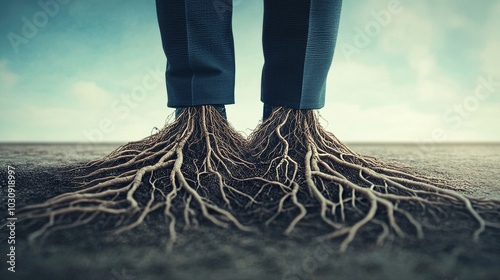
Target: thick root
[290,171]
[186,170]
[312,174]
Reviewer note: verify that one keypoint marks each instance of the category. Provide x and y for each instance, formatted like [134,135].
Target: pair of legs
[299,39]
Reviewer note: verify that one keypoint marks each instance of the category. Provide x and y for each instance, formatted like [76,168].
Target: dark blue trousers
[299,39]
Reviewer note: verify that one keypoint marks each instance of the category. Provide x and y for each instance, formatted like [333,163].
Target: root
[185,170]
[289,172]
[350,190]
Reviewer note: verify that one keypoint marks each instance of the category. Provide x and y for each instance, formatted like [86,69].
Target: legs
[198,43]
[299,40]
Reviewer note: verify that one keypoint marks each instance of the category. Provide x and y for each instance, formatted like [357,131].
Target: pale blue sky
[403,70]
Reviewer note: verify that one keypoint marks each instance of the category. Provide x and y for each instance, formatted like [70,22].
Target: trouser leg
[299,39]
[198,43]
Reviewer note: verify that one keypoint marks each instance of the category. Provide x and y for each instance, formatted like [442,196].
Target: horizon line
[347,142]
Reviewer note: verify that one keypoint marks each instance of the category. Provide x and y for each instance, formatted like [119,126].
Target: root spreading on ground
[313,174]
[182,170]
[289,172]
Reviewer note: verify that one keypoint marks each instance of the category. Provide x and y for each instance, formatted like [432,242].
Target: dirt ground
[213,253]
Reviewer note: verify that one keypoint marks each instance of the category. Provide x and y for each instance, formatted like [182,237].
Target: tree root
[290,168]
[313,174]
[152,175]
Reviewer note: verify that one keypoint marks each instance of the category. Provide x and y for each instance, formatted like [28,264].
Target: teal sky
[92,71]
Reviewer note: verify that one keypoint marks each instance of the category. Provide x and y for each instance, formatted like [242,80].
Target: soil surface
[209,252]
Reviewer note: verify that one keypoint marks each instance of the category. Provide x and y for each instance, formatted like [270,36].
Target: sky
[404,71]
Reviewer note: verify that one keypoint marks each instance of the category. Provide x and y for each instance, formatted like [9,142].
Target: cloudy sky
[403,70]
